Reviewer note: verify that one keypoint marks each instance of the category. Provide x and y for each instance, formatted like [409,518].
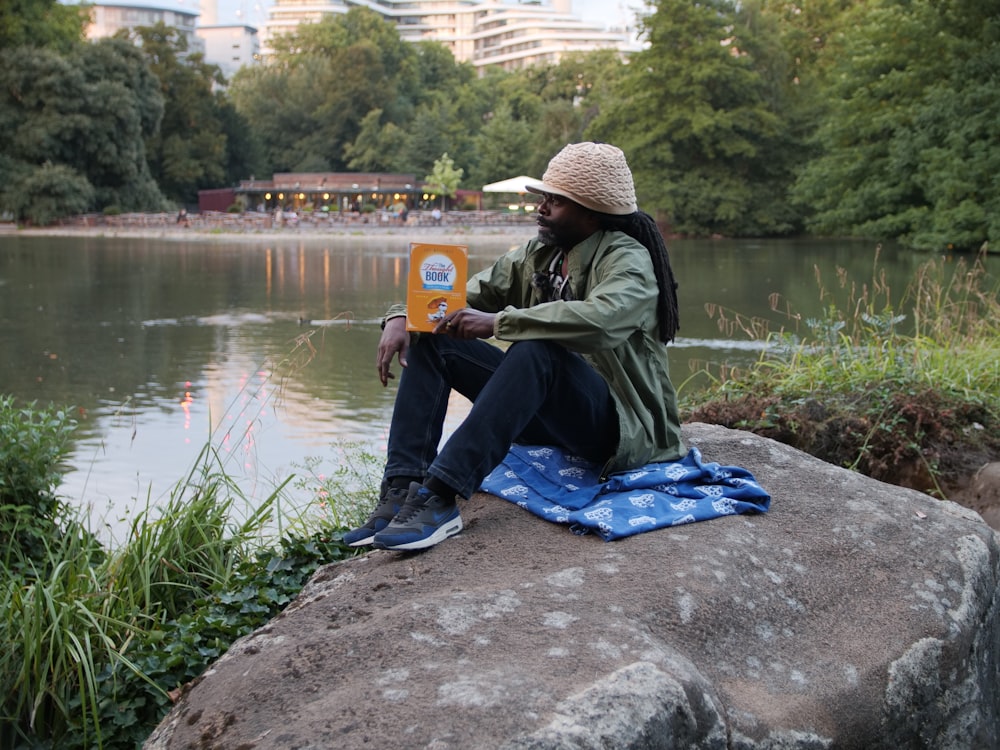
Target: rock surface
[854,614]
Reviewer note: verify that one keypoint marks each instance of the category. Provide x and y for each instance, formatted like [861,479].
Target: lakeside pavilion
[326,191]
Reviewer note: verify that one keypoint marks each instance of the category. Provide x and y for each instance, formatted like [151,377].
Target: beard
[552,233]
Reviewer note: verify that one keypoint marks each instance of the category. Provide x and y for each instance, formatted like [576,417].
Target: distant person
[436,215]
[587,309]
[182,218]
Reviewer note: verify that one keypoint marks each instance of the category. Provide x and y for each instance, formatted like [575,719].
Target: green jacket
[611,322]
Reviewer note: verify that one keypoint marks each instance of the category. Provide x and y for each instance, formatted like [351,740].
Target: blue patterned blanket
[565,489]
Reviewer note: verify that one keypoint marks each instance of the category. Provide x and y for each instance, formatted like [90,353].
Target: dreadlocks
[641,227]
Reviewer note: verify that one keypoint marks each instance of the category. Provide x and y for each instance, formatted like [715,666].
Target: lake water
[163,346]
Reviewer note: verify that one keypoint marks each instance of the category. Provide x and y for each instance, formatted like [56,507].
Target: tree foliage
[502,146]
[909,147]
[43,195]
[88,111]
[198,144]
[701,118]
[740,118]
[445,178]
[40,23]
[309,105]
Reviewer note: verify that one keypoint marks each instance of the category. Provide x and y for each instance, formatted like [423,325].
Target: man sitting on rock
[587,307]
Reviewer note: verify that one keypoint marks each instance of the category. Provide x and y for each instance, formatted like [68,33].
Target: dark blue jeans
[535,393]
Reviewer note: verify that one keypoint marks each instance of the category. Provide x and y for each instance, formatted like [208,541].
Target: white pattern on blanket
[652,497]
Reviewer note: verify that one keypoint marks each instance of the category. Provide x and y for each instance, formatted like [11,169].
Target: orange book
[435,284]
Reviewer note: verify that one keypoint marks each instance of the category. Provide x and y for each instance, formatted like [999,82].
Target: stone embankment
[316,222]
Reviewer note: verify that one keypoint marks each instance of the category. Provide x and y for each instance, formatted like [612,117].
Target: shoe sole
[363,542]
[449,529]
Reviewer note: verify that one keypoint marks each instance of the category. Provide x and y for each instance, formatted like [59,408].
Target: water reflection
[265,349]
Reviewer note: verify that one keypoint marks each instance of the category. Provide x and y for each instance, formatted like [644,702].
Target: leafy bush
[135,694]
[48,193]
[95,643]
[33,443]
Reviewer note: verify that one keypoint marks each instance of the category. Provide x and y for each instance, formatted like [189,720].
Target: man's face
[562,222]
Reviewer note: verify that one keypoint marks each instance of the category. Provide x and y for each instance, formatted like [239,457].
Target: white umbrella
[513,185]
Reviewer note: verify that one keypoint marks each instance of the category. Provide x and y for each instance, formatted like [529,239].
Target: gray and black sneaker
[424,520]
[390,500]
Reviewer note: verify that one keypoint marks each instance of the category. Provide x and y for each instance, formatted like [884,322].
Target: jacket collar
[582,255]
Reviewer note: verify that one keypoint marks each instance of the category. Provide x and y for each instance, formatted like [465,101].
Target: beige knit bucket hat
[594,175]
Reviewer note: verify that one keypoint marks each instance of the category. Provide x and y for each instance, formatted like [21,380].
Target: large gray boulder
[854,614]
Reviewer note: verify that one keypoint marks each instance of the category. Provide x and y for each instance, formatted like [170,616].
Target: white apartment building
[507,33]
[510,34]
[108,17]
[230,47]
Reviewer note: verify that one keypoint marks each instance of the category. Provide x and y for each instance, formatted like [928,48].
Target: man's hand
[467,324]
[395,340]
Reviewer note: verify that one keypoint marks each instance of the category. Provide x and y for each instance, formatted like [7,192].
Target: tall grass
[174,553]
[95,642]
[908,392]
[57,630]
[72,623]
[943,333]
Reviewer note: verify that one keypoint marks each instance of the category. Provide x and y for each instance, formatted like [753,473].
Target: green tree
[308,104]
[48,193]
[281,103]
[189,150]
[378,147]
[572,93]
[445,178]
[699,119]
[88,111]
[244,155]
[908,147]
[503,148]
[437,71]
[41,23]
[427,137]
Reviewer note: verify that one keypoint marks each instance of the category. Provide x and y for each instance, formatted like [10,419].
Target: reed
[898,390]
[942,333]
[176,552]
[59,624]
[95,642]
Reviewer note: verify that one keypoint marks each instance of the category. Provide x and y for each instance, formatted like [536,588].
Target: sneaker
[425,520]
[390,500]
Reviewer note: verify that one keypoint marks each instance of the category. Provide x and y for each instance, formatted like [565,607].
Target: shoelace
[412,507]
[389,505]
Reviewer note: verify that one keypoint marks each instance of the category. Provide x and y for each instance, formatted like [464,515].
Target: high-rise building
[230,47]
[506,33]
[509,34]
[108,17]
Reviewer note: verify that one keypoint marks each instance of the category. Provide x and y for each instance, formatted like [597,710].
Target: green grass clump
[33,443]
[908,393]
[96,643]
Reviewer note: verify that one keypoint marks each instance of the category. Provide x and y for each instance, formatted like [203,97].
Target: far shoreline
[256,228]
[423,234]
